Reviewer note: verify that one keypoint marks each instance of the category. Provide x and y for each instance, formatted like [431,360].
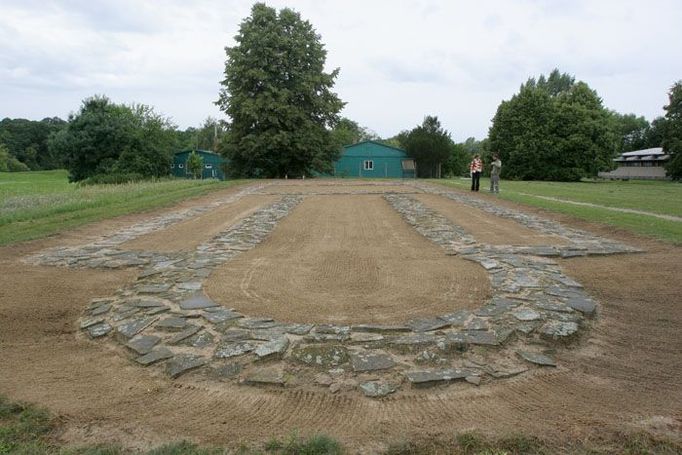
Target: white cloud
[399,60]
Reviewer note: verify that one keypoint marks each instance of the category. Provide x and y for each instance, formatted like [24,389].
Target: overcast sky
[400,60]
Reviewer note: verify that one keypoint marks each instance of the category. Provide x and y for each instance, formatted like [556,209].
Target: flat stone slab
[379,328]
[226,350]
[89,322]
[525,314]
[186,333]
[228,371]
[365,337]
[453,342]
[99,330]
[432,377]
[182,363]
[537,358]
[143,344]
[298,329]
[276,347]
[154,356]
[257,323]
[221,315]
[153,288]
[132,328]
[414,340]
[557,330]
[198,301]
[428,324]
[266,376]
[321,355]
[172,323]
[102,309]
[146,303]
[482,338]
[377,389]
[235,334]
[371,361]
[582,304]
[201,340]
[476,324]
[458,318]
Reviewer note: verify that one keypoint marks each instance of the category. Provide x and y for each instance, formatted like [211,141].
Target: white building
[640,164]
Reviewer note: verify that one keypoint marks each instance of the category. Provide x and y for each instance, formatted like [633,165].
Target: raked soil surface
[624,373]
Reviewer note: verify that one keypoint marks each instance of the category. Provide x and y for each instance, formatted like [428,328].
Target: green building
[212,169]
[374,160]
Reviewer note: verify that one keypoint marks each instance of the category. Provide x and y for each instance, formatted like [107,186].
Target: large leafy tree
[278,97]
[104,137]
[430,145]
[553,129]
[347,132]
[672,140]
[632,131]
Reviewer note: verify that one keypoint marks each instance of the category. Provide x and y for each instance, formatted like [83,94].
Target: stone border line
[165,319]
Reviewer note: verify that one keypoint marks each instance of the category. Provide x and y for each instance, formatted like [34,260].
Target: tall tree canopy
[347,132]
[278,97]
[553,129]
[104,138]
[26,141]
[672,139]
[430,145]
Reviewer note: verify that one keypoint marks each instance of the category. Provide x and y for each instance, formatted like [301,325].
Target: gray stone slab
[266,334]
[222,315]
[572,253]
[482,338]
[550,306]
[154,356]
[189,331]
[365,337]
[583,304]
[370,361]
[201,340]
[172,324]
[153,288]
[143,344]
[265,376]
[537,358]
[377,389]
[332,329]
[102,309]
[89,322]
[453,342]
[130,329]
[189,286]
[558,330]
[99,330]
[458,318]
[146,303]
[228,371]
[321,355]
[182,363]
[322,337]
[235,334]
[197,301]
[274,348]
[298,329]
[257,323]
[525,314]
[476,324]
[157,310]
[226,349]
[379,328]
[427,324]
[431,377]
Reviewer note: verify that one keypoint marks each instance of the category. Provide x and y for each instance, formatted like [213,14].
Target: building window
[368,165]
[181,166]
[172,165]
[209,166]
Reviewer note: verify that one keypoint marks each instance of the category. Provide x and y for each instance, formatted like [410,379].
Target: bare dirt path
[623,374]
[347,259]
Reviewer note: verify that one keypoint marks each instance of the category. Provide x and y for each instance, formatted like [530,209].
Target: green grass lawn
[664,198]
[38,204]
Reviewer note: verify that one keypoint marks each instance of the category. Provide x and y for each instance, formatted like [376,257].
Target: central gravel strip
[604,207]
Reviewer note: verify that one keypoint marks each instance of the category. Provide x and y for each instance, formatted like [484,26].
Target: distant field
[661,198]
[38,204]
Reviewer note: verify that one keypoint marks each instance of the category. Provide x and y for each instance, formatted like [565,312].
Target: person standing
[495,168]
[475,168]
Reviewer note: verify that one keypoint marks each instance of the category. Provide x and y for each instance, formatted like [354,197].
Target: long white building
[640,164]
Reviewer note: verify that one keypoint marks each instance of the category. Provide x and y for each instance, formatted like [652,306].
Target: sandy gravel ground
[624,374]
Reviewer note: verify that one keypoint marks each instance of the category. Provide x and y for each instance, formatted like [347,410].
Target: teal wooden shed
[212,169]
[374,160]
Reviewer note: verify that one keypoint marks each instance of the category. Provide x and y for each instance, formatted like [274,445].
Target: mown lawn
[663,198]
[38,204]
